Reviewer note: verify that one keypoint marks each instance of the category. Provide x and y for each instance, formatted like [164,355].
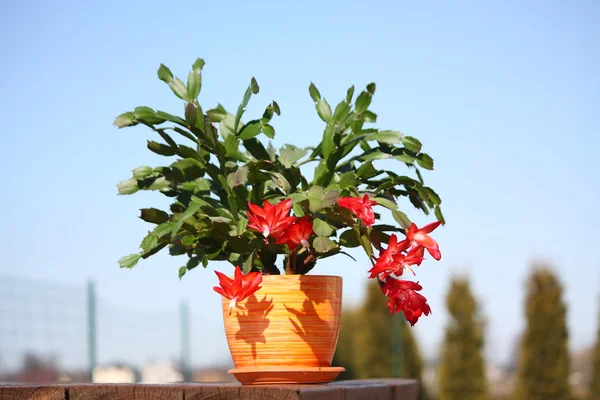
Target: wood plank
[33,392]
[279,392]
[125,392]
[365,389]
[402,389]
[378,389]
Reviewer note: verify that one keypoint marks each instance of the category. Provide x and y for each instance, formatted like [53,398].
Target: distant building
[161,372]
[213,375]
[494,373]
[114,374]
[429,377]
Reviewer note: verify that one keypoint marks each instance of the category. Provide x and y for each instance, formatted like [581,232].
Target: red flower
[403,297]
[271,220]
[297,234]
[413,257]
[399,263]
[361,207]
[238,288]
[419,238]
[386,262]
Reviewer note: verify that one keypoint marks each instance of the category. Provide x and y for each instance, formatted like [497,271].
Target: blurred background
[503,95]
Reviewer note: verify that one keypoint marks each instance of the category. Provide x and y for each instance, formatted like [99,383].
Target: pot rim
[301,275]
[297,276]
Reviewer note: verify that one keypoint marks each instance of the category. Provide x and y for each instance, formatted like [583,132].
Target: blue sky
[504,96]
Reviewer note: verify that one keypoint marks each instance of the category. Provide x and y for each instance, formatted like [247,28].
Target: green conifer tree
[462,366]
[595,380]
[544,362]
[384,345]
[345,352]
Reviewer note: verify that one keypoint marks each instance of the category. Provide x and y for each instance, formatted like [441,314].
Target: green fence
[51,332]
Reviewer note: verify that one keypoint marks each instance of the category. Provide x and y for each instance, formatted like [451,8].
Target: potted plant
[236,199]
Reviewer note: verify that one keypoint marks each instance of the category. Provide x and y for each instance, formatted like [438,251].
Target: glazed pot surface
[293,321]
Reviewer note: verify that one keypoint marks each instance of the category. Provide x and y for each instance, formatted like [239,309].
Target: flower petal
[223,279]
[256,210]
[423,240]
[435,253]
[220,290]
[430,227]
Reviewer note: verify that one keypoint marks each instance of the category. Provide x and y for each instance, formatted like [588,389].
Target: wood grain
[381,389]
[32,393]
[126,392]
[364,389]
[402,389]
[287,392]
[293,320]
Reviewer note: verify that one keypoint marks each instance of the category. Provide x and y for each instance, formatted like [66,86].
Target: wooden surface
[32,392]
[293,320]
[126,392]
[379,389]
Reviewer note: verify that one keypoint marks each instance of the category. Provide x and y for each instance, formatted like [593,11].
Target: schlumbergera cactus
[237,200]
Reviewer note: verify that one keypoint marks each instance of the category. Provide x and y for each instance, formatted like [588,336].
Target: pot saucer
[285,375]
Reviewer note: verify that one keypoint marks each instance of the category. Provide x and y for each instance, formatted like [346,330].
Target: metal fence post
[91,319]
[184,320]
